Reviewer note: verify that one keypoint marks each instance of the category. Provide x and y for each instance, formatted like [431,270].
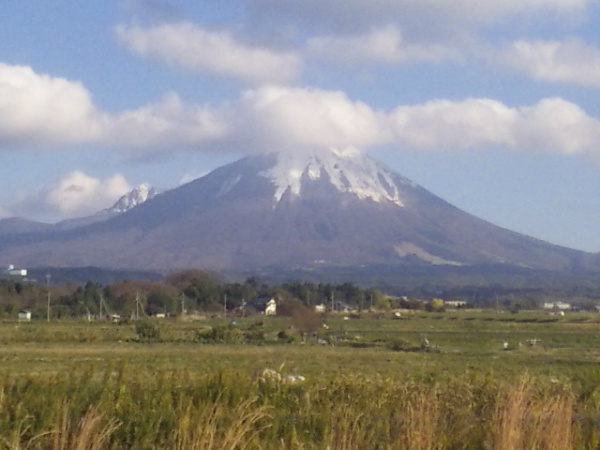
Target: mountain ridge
[304,211]
[133,198]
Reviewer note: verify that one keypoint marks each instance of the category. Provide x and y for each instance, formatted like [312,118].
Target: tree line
[189,291]
[203,292]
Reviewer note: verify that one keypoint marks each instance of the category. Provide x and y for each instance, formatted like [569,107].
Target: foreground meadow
[424,381]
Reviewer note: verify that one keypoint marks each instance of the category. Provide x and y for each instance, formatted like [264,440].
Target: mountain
[130,200]
[133,198]
[17,225]
[280,211]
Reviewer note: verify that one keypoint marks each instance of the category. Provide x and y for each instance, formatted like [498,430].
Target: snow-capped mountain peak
[135,197]
[348,170]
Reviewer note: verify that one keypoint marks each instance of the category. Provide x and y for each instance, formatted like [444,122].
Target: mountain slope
[291,211]
[133,198]
[17,226]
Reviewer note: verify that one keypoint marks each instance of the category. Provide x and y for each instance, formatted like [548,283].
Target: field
[425,380]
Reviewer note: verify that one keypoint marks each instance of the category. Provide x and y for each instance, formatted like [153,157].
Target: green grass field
[459,341]
[371,383]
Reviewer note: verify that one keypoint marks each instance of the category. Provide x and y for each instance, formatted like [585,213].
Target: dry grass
[423,422]
[554,427]
[349,430]
[92,432]
[204,430]
[537,420]
[229,411]
[15,440]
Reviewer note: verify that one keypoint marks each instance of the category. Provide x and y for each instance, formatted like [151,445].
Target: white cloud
[276,118]
[169,123]
[73,195]
[552,125]
[379,45]
[473,123]
[47,111]
[291,119]
[219,52]
[40,109]
[78,193]
[401,31]
[569,61]
[557,125]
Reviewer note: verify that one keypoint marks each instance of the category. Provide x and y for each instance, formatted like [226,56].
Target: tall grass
[203,430]
[527,417]
[124,408]
[92,432]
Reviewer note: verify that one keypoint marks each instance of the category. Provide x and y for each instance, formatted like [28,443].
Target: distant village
[199,294]
[12,272]
[161,300]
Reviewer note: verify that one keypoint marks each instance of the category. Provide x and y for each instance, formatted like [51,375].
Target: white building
[264,305]
[24,316]
[271,308]
[560,306]
[455,303]
[13,272]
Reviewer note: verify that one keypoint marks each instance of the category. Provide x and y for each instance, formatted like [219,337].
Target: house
[264,305]
[24,316]
[557,306]
[271,308]
[11,271]
[321,308]
[455,303]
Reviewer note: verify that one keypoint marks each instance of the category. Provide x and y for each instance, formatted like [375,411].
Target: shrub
[223,333]
[285,337]
[305,319]
[147,330]
[255,336]
[401,345]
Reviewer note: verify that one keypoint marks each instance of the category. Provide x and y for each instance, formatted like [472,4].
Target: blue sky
[492,105]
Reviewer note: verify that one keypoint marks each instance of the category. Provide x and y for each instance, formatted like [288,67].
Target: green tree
[379,301]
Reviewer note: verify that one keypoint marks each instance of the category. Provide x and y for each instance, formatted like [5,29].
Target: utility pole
[101,301]
[225,304]
[182,303]
[137,305]
[48,296]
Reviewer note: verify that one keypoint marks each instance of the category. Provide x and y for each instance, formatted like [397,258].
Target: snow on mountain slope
[349,171]
[135,197]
